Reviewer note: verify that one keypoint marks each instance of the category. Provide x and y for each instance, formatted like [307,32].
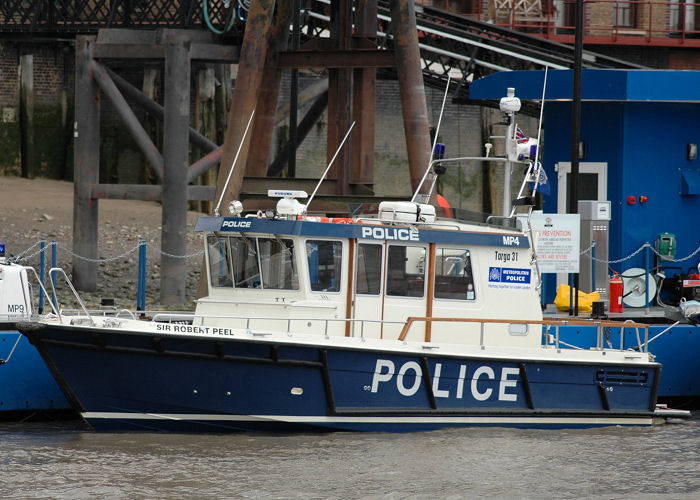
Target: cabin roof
[360,231]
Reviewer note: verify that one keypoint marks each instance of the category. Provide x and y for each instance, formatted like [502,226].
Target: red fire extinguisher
[616,288]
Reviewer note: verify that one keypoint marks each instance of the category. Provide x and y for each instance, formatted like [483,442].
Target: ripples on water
[68,461]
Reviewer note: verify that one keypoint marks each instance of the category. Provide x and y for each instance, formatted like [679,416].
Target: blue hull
[676,350]
[138,381]
[27,388]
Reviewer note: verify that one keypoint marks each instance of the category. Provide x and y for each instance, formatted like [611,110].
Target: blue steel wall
[644,145]
[655,140]
[601,130]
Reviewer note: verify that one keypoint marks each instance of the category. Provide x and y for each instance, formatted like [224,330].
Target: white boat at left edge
[28,391]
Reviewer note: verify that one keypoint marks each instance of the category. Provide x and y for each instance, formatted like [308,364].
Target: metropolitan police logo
[509,275]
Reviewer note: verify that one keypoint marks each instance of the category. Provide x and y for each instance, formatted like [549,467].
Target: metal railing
[600,325]
[288,321]
[52,274]
[86,316]
[624,22]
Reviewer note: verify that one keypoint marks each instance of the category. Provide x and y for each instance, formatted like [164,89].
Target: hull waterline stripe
[371,420]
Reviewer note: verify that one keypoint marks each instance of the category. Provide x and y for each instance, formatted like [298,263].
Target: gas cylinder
[616,287]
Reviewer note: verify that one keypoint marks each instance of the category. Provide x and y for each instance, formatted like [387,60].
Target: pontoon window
[369,269]
[405,271]
[237,261]
[453,274]
[325,265]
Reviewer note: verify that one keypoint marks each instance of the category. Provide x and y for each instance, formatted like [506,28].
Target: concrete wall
[52,97]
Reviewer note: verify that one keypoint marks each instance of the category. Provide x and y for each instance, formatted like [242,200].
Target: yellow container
[585,300]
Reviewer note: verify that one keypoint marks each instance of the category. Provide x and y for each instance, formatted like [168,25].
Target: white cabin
[366,277]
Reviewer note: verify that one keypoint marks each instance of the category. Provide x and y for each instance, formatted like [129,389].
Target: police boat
[398,321]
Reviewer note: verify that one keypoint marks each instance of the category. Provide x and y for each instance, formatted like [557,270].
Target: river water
[67,460]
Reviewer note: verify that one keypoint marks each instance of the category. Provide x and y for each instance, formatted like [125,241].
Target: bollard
[598,310]
[141,292]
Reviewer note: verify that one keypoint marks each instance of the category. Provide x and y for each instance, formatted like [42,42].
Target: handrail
[127,311]
[43,289]
[248,319]
[157,316]
[168,317]
[599,324]
[52,272]
[3,361]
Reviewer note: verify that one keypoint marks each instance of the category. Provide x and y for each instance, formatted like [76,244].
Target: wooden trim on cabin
[382,284]
[350,302]
[430,292]
[546,322]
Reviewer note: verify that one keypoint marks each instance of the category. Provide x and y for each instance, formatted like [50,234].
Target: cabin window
[325,265]
[453,274]
[219,261]
[244,262]
[405,271]
[369,269]
[277,264]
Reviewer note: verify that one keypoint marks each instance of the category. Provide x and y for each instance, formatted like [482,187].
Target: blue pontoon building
[640,131]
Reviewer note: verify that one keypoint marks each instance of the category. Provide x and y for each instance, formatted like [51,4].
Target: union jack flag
[520,136]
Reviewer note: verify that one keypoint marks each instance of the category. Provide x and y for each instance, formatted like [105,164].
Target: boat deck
[649,315]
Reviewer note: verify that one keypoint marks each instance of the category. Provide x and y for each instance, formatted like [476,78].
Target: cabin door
[367,301]
[404,289]
[389,287]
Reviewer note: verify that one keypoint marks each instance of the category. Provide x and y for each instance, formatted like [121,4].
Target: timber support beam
[175,50]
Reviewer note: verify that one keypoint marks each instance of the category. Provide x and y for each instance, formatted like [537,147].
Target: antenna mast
[426,198]
[235,159]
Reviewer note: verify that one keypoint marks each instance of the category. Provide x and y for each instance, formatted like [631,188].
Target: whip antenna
[235,159]
[329,165]
[432,150]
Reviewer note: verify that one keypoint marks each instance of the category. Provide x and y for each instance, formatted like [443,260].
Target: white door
[367,292]
[405,289]
[390,286]
[592,185]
